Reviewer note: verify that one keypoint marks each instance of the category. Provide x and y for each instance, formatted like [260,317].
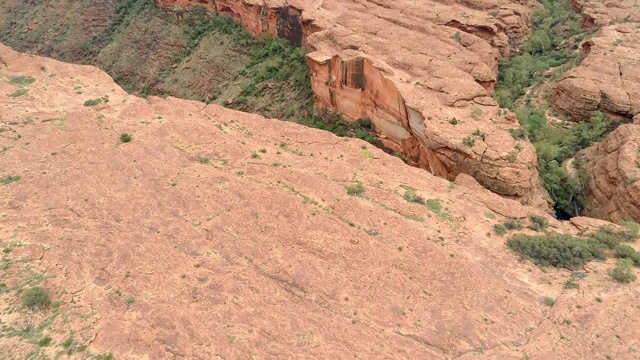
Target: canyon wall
[612,171]
[422,72]
[608,79]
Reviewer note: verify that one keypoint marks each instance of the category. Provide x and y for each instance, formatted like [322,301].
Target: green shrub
[18,93]
[125,138]
[434,205]
[627,252]
[538,223]
[559,250]
[357,188]
[21,80]
[469,141]
[499,229]
[411,196]
[549,301]
[36,298]
[92,102]
[45,341]
[512,224]
[623,272]
[610,237]
[9,179]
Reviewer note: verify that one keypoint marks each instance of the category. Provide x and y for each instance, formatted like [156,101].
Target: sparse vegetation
[457,36]
[549,301]
[9,179]
[623,272]
[512,224]
[538,223]
[476,112]
[469,141]
[21,81]
[45,341]
[434,205]
[36,298]
[18,93]
[355,189]
[92,102]
[499,229]
[125,138]
[410,195]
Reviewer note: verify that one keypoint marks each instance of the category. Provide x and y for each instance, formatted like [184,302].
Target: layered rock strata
[608,79]
[612,168]
[422,72]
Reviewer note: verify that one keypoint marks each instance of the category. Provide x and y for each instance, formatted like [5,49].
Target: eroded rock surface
[411,68]
[613,169]
[608,79]
[220,234]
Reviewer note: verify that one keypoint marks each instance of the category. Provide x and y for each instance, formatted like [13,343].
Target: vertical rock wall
[411,75]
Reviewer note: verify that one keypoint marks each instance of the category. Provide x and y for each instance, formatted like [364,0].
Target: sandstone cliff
[422,72]
[612,168]
[220,234]
[608,79]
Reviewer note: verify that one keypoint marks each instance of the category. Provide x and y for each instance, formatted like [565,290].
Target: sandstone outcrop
[422,72]
[220,234]
[612,168]
[608,79]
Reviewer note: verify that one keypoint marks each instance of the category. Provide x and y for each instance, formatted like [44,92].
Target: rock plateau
[217,234]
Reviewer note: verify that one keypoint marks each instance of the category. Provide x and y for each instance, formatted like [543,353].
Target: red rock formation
[149,252]
[608,79]
[612,168]
[410,68]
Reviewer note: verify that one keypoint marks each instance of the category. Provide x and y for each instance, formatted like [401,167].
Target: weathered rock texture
[608,79]
[613,169]
[410,67]
[182,244]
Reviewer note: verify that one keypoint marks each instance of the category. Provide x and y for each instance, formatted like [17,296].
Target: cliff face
[608,79]
[612,168]
[421,72]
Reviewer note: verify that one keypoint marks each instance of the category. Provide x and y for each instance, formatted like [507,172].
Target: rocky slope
[422,72]
[608,79]
[220,234]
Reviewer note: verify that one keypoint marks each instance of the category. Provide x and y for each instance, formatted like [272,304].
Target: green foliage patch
[36,298]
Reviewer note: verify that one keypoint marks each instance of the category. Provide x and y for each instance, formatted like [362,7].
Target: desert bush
[434,205]
[36,298]
[411,196]
[559,250]
[538,223]
[610,237]
[355,189]
[623,272]
[499,229]
[512,224]
[125,138]
[92,102]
